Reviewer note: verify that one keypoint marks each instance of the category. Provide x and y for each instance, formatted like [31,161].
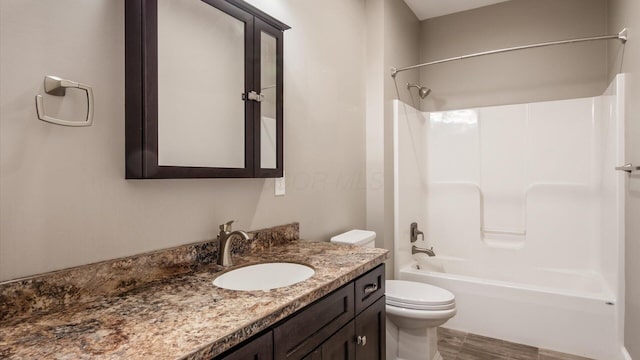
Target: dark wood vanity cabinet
[362,338]
[370,324]
[341,345]
[349,324]
[260,348]
[303,332]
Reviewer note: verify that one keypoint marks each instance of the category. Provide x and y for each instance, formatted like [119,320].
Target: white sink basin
[264,276]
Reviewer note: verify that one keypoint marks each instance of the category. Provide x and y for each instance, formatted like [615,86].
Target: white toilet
[414,310]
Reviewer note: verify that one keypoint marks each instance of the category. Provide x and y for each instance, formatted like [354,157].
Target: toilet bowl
[413,305]
[414,310]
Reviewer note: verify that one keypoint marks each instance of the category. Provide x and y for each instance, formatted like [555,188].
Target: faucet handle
[227,226]
[415,232]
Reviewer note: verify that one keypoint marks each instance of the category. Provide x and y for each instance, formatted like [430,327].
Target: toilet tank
[362,238]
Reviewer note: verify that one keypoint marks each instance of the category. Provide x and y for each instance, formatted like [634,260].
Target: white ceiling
[425,9]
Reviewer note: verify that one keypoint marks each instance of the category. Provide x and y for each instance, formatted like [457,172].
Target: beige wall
[401,46]
[375,121]
[626,13]
[392,39]
[551,73]
[64,199]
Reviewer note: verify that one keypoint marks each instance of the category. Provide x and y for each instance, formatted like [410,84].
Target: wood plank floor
[458,345]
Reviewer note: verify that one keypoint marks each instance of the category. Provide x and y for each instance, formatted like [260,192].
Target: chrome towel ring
[54,85]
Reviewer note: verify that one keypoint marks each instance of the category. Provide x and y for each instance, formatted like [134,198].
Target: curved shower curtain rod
[622,36]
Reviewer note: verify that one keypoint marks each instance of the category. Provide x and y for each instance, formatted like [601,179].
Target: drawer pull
[361,340]
[370,288]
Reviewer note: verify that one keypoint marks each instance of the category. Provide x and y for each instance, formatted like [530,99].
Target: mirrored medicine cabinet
[204,90]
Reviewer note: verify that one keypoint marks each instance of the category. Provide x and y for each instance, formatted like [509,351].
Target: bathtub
[571,312]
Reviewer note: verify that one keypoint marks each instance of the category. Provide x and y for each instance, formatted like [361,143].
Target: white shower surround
[525,213]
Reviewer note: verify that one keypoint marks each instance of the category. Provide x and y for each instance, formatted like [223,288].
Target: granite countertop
[183,316]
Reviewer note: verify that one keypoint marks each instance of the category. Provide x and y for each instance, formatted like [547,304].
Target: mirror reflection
[268,104]
[201,57]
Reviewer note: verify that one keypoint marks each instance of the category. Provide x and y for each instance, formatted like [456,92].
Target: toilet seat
[418,296]
[434,315]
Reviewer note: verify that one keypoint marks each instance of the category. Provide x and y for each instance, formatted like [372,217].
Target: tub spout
[416,250]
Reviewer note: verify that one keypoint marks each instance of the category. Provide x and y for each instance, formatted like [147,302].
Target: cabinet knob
[361,340]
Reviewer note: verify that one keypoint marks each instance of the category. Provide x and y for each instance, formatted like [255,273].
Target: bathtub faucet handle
[415,232]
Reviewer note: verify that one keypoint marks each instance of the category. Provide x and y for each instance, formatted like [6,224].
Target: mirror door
[201,76]
[203,90]
[269,126]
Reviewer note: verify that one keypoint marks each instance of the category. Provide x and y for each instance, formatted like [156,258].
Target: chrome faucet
[416,250]
[224,242]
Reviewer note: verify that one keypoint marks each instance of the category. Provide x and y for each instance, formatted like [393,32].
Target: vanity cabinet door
[370,332]
[307,330]
[341,345]
[259,349]
[315,355]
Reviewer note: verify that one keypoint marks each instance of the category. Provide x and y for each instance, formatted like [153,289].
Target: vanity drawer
[369,288]
[301,334]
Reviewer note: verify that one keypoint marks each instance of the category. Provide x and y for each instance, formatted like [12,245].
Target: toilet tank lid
[354,237]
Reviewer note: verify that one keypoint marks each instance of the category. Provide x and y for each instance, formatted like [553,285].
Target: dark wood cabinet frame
[141,93]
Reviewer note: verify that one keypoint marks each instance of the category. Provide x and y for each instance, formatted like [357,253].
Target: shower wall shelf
[56,86]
